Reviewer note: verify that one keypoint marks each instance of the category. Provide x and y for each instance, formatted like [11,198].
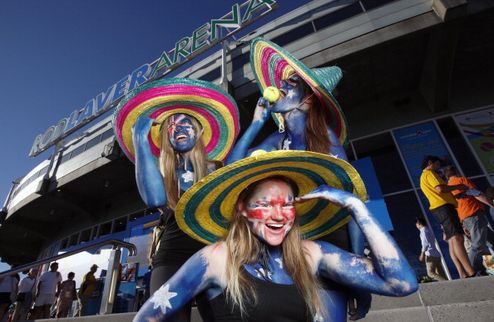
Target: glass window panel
[390,171]
[481,183]
[212,75]
[460,148]
[93,142]
[104,229]
[107,134]
[64,243]
[403,208]
[120,224]
[371,4]
[65,157]
[239,61]
[337,16]
[294,34]
[77,151]
[86,235]
[73,239]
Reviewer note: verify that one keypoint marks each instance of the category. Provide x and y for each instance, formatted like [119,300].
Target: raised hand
[148,177]
[261,113]
[336,196]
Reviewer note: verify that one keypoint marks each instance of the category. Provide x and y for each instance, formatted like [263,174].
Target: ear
[242,209]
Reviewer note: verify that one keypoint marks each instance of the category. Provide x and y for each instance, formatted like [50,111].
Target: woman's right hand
[143,125]
[261,113]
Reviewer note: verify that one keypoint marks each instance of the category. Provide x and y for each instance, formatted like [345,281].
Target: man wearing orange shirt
[471,212]
[442,206]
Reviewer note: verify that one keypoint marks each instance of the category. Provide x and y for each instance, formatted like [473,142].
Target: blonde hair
[243,247]
[168,162]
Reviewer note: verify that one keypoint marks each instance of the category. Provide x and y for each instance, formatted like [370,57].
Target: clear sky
[55,55]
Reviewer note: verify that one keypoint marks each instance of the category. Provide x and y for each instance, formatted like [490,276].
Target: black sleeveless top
[275,303]
[175,247]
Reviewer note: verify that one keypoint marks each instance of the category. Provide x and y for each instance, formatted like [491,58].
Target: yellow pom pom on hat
[271,64]
[204,211]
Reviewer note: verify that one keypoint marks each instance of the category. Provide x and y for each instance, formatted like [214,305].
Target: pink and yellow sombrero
[271,64]
[213,107]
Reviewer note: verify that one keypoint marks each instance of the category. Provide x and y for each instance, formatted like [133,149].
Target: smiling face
[292,95]
[270,211]
[181,132]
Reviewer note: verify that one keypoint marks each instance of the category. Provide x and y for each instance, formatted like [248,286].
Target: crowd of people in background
[47,295]
[460,208]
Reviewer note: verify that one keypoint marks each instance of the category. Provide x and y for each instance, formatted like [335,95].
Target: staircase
[467,300]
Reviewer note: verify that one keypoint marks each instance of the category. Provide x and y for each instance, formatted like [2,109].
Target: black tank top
[275,303]
[175,246]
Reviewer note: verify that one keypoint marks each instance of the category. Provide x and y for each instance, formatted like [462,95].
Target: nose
[276,215]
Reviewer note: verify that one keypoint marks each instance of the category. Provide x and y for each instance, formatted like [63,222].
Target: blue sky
[55,55]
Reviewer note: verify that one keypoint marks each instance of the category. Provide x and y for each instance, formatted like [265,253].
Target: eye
[293,79]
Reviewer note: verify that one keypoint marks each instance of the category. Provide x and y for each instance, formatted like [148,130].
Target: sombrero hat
[271,64]
[213,107]
[205,210]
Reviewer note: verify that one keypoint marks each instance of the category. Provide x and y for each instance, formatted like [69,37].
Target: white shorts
[44,299]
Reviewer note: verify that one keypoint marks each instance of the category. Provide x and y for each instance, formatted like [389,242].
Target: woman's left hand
[336,196]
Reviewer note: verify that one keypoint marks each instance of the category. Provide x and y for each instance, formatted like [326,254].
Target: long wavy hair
[318,120]
[244,247]
[168,162]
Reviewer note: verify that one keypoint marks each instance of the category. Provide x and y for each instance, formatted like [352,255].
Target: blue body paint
[290,105]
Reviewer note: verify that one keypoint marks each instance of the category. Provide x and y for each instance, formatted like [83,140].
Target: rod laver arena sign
[203,38]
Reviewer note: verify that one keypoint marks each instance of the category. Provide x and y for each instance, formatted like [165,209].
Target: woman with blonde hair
[176,131]
[259,216]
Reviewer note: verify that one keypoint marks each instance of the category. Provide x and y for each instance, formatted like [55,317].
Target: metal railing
[109,289]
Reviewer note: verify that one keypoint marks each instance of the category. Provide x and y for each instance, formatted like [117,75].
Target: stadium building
[417,80]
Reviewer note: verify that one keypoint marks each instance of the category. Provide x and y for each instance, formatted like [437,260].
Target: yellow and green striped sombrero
[271,64]
[204,211]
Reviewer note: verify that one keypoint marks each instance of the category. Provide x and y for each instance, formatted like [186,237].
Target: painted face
[181,132]
[292,95]
[270,211]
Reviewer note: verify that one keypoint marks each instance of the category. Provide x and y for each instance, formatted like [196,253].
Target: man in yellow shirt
[443,208]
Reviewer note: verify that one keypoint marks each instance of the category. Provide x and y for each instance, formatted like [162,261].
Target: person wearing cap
[176,131]
[259,216]
[89,291]
[308,118]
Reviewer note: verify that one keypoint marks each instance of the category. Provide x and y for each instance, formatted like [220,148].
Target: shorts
[447,216]
[44,299]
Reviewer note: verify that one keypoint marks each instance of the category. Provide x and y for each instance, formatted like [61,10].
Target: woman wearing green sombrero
[176,131]
[309,118]
[258,216]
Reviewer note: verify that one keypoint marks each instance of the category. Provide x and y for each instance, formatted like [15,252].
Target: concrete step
[464,300]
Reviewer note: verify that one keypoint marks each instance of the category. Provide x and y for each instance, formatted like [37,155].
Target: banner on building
[478,128]
[417,141]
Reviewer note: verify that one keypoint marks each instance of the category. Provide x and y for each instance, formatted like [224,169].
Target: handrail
[115,242]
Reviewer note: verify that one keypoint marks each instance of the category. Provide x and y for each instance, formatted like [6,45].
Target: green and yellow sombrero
[205,210]
[214,108]
[271,64]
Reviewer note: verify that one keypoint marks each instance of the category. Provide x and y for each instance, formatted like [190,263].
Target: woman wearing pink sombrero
[308,117]
[176,131]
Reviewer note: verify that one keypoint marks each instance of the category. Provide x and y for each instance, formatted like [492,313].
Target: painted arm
[148,177]
[388,273]
[192,278]
[261,115]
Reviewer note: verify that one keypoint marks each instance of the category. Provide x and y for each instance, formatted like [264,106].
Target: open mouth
[282,93]
[181,138]
[275,226]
